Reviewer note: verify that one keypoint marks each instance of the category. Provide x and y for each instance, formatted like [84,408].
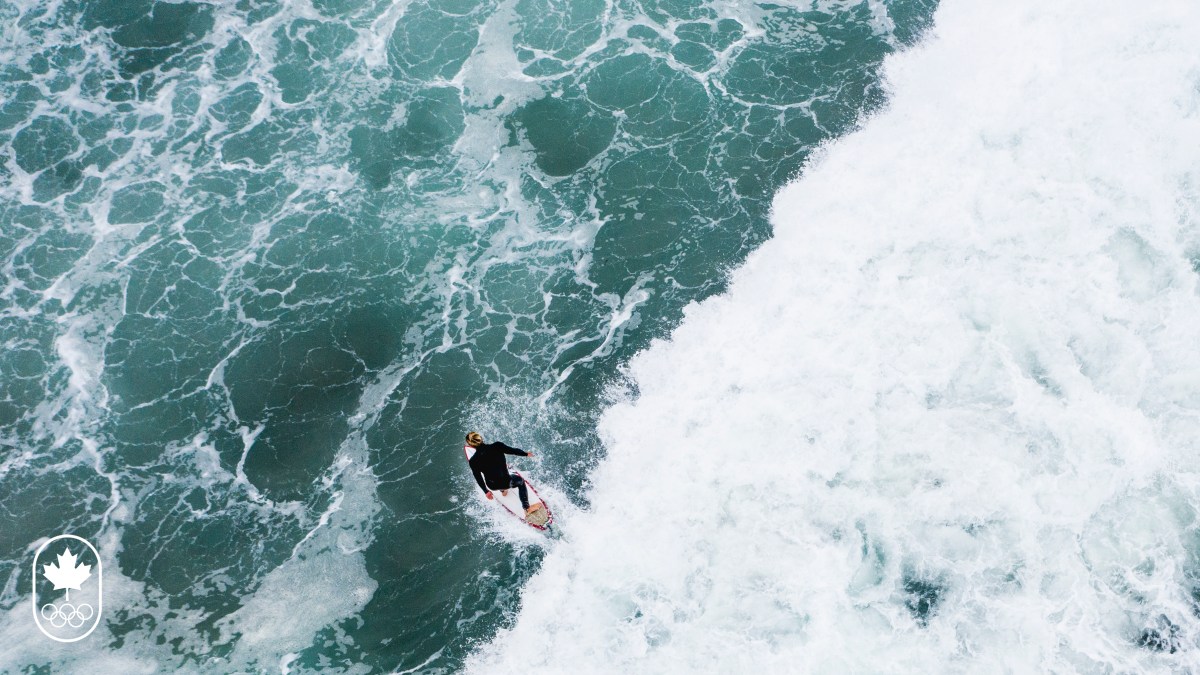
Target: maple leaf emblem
[67,573]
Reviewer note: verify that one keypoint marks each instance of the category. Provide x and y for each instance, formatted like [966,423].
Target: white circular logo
[68,564]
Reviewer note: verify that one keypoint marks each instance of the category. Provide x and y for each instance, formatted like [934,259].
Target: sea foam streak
[948,417]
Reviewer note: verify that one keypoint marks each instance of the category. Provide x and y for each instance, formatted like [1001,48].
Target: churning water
[948,418]
[266,262]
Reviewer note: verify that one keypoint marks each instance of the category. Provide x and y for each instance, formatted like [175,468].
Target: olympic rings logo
[67,614]
[67,588]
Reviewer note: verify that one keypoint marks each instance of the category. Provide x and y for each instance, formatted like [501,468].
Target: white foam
[966,360]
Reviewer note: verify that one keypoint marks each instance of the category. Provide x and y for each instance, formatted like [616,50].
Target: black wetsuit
[491,469]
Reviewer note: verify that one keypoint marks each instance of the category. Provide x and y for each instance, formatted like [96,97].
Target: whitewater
[947,418]
[265,263]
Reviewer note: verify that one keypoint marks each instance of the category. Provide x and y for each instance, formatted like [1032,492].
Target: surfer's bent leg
[515,481]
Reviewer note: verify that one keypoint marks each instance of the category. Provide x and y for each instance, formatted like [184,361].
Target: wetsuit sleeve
[479,479]
[509,450]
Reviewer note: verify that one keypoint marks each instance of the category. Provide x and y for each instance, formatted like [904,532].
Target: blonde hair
[474,439]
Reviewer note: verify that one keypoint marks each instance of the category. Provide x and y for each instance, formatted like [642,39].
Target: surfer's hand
[490,496]
[529,454]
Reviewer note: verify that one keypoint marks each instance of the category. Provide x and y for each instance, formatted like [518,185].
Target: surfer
[491,469]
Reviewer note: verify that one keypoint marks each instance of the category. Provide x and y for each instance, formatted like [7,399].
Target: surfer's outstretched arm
[509,450]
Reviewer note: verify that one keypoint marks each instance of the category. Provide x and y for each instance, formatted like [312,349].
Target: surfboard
[540,519]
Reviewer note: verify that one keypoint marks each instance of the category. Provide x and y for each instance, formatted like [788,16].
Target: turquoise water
[265,263]
[947,418]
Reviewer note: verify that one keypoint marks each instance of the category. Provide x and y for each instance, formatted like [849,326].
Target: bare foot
[504,493]
[533,508]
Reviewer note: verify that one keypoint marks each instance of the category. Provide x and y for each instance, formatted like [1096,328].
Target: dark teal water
[265,263]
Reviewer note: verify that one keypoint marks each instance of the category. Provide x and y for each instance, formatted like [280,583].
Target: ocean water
[948,418]
[264,263]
